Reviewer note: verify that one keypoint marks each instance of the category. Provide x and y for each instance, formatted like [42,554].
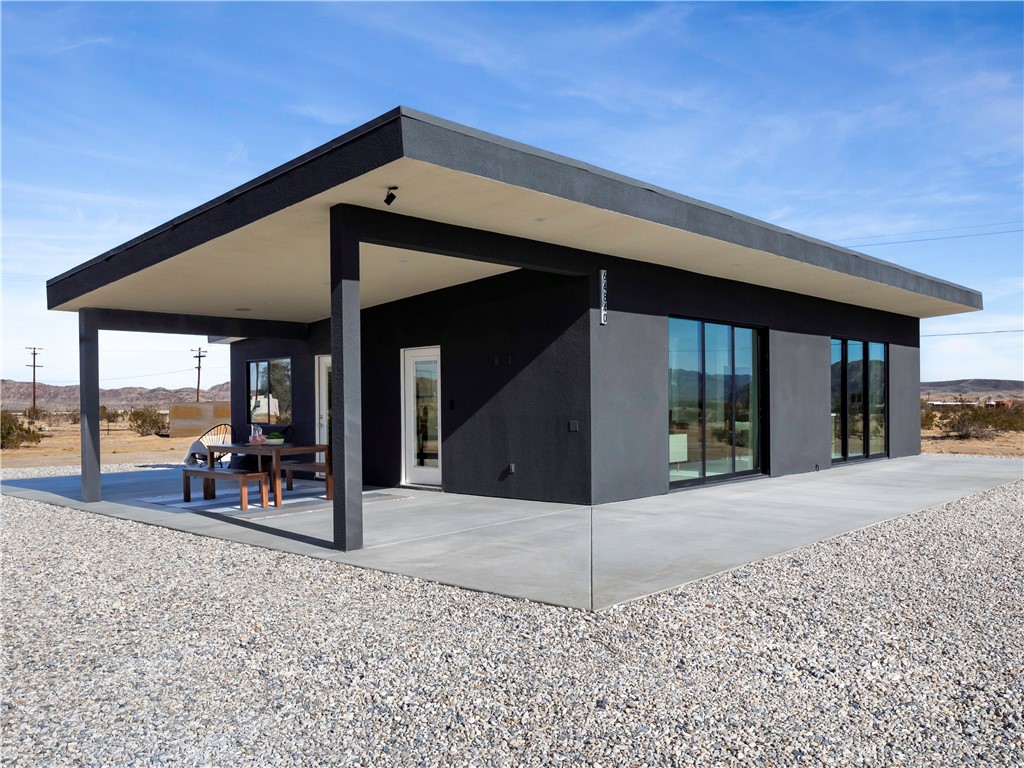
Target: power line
[929,239]
[972,333]
[138,376]
[929,231]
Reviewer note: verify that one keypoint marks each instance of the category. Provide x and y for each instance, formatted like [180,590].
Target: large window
[859,399]
[270,391]
[714,401]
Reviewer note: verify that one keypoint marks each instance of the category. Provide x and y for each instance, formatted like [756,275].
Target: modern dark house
[453,309]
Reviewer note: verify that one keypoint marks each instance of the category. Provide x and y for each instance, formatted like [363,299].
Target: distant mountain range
[998,388]
[17,396]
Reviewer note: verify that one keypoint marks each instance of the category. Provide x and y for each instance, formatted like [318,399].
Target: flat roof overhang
[265,246]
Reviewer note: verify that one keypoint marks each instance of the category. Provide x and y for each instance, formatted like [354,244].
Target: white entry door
[323,400]
[421,415]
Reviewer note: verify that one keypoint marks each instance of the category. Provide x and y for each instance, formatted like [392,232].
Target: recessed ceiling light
[243,309]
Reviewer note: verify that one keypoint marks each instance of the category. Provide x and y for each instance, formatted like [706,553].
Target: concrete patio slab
[582,557]
[688,535]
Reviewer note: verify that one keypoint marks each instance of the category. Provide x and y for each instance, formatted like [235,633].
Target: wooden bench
[289,468]
[211,476]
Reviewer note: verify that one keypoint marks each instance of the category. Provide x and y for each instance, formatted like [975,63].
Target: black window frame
[760,365]
[844,412]
[270,392]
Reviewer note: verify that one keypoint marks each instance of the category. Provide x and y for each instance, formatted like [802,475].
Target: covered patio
[586,557]
[550,285]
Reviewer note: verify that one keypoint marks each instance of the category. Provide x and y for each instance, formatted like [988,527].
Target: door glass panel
[837,398]
[270,391]
[855,414]
[325,428]
[718,399]
[426,433]
[745,384]
[685,453]
[876,398]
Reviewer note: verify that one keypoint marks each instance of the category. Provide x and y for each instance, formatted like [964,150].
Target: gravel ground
[126,644]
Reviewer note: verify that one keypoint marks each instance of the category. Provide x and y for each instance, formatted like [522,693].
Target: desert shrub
[146,420]
[36,414]
[110,415]
[1009,419]
[13,433]
[969,421]
[928,415]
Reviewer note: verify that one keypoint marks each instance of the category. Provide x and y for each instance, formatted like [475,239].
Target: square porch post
[346,391]
[89,403]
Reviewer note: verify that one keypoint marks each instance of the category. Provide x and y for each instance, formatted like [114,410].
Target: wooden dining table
[275,452]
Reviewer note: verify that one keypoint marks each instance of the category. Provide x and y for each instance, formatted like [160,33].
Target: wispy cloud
[73,45]
[327,113]
[237,154]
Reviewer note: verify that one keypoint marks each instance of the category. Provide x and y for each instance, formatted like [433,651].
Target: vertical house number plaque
[604,297]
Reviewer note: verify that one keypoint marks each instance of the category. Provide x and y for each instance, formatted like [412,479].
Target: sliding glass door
[859,397]
[714,401]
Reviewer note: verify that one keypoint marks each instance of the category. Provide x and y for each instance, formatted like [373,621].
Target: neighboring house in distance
[459,310]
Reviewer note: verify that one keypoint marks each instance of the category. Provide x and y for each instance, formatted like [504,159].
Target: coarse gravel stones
[133,645]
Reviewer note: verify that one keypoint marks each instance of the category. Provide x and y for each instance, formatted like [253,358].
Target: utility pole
[199,368]
[33,366]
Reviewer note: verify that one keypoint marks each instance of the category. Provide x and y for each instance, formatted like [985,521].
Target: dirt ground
[1003,444]
[118,446]
[122,446]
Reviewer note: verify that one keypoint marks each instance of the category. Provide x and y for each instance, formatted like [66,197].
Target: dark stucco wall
[654,290]
[629,396]
[514,374]
[514,411]
[556,364]
[800,397]
[904,401]
[630,362]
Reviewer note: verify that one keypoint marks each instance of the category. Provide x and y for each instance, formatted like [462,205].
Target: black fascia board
[195,325]
[351,155]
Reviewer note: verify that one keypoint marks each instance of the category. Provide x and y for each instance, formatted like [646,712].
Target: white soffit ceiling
[278,267]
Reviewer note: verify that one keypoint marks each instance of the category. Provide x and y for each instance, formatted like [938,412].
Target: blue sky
[857,123]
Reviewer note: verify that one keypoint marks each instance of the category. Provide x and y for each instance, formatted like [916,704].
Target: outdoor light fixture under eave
[389,198]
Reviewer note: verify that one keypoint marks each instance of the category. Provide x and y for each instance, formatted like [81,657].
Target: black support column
[346,395]
[89,403]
